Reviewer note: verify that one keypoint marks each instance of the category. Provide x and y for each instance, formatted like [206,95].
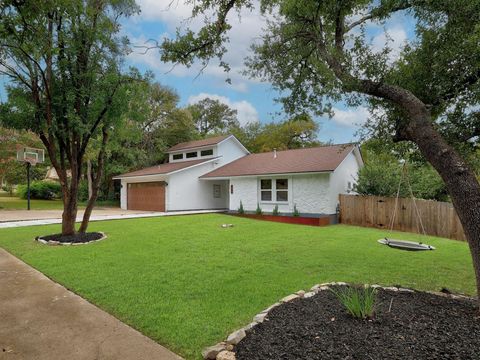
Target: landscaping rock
[259,318]
[315,287]
[309,294]
[267,310]
[212,351]
[391,288]
[406,290]
[300,293]
[249,326]
[235,337]
[226,355]
[289,298]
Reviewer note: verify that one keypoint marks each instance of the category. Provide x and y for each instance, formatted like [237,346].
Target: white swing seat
[405,245]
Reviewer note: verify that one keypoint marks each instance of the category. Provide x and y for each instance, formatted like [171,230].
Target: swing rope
[417,212]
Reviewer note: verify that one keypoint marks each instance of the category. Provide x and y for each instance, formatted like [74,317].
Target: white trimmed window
[274,190]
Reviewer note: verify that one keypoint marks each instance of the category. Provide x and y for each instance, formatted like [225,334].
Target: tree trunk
[69,216]
[89,178]
[96,183]
[460,180]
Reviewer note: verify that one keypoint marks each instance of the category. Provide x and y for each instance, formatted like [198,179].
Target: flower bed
[76,239]
[408,324]
[301,220]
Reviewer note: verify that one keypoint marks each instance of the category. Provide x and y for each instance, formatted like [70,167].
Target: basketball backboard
[30,155]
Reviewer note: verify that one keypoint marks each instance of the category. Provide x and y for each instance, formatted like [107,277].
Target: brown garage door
[146,196]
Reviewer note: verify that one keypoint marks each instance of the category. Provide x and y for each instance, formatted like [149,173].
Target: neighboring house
[218,173]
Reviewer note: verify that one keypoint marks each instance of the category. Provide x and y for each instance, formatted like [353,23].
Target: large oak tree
[63,60]
[317,52]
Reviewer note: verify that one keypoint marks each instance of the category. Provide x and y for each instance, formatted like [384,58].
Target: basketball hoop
[31,157]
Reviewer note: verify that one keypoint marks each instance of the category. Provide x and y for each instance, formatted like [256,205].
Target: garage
[148,196]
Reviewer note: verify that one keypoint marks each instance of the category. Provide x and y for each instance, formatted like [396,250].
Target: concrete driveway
[28,215]
[20,218]
[41,320]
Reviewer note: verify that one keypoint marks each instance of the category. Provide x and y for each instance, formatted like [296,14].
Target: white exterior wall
[244,190]
[186,192]
[346,172]
[229,150]
[310,192]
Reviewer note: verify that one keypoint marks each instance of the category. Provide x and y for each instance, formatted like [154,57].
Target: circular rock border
[55,243]
[224,350]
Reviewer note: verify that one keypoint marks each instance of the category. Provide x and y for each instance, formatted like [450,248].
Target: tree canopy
[67,84]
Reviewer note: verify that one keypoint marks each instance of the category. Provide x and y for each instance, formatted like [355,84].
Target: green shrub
[83,190]
[295,210]
[358,301]
[45,190]
[259,210]
[240,209]
[275,210]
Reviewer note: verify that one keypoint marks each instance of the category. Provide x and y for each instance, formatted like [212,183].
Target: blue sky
[254,101]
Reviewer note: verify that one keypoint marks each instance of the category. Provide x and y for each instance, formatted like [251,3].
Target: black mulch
[419,326]
[76,238]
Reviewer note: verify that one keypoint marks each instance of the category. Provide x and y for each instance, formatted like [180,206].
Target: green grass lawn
[15,203]
[186,282]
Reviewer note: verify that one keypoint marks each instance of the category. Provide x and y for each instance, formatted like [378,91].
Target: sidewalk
[19,218]
[42,320]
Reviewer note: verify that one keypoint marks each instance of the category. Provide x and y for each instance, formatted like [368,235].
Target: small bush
[359,301]
[83,190]
[275,210]
[259,210]
[241,210]
[45,190]
[295,210]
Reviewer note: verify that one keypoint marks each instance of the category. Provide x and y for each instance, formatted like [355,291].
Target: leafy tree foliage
[64,63]
[212,116]
[381,176]
[298,132]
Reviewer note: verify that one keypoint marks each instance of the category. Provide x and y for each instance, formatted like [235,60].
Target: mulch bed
[75,239]
[419,326]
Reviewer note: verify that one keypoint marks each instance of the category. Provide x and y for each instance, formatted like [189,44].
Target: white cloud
[394,37]
[246,112]
[351,117]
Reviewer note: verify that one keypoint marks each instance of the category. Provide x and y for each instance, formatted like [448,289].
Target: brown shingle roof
[162,168]
[317,159]
[198,143]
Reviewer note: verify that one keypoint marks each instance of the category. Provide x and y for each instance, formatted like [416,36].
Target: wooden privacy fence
[438,218]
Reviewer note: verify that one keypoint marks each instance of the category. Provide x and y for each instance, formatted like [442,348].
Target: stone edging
[54,243]
[223,350]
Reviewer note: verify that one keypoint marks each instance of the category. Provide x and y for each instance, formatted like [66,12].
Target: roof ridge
[223,137]
[307,148]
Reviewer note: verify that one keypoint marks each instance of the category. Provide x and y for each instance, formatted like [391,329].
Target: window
[206,152]
[191,155]
[177,156]
[217,191]
[274,190]
[282,189]
[266,190]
